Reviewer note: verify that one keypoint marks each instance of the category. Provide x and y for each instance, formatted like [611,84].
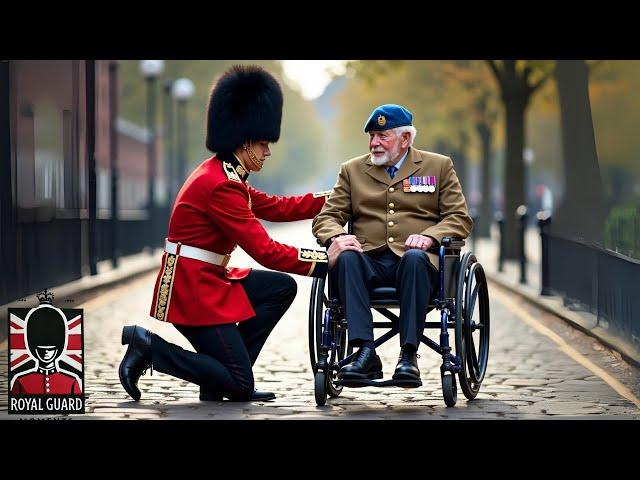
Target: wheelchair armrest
[452,242]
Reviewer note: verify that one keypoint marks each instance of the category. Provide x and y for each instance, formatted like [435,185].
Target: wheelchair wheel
[472,325]
[318,309]
[449,389]
[316,304]
[320,388]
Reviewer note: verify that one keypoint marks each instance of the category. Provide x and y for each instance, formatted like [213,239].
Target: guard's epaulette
[326,193]
[231,172]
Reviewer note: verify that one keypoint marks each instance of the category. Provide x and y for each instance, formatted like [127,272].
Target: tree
[518,80]
[581,213]
[475,99]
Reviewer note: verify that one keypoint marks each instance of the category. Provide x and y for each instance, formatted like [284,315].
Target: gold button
[391,212]
[392,205]
[391,189]
[390,239]
[390,224]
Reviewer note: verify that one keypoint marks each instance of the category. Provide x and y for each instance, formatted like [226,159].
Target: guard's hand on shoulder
[341,244]
[419,241]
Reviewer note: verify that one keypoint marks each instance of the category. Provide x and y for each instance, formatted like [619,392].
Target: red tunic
[216,210]
[53,383]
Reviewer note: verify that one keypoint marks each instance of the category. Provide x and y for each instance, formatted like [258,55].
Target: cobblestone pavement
[529,376]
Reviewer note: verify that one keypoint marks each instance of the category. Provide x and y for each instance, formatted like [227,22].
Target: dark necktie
[392,171]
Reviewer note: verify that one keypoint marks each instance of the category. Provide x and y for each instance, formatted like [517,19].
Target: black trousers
[226,353]
[413,275]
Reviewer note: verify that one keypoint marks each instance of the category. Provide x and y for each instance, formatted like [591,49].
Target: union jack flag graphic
[22,360]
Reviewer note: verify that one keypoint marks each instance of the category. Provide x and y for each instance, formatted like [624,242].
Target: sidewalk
[486,251]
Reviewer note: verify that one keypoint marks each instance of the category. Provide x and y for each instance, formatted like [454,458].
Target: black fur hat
[245,104]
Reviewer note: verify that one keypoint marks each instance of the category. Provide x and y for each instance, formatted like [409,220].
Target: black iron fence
[132,232]
[588,277]
[596,280]
[55,252]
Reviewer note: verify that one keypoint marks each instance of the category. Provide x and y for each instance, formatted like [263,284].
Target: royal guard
[225,313]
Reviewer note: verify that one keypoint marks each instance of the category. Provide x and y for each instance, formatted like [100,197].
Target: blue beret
[386,117]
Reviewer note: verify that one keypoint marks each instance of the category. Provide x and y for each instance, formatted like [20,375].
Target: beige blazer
[384,214]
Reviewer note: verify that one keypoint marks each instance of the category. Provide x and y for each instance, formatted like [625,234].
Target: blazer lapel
[411,165]
[378,173]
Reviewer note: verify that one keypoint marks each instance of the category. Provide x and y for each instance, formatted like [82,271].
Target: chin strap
[256,164]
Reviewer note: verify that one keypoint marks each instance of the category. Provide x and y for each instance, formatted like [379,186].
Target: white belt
[196,253]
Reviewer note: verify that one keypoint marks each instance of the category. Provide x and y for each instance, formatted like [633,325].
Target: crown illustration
[45,296]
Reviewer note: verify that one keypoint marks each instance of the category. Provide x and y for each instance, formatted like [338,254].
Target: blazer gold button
[391,189]
[390,239]
[391,212]
[390,224]
[392,205]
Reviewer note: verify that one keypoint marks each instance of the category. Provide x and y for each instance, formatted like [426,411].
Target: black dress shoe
[262,396]
[137,359]
[255,397]
[407,367]
[367,365]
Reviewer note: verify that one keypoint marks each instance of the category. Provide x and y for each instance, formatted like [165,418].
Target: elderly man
[402,202]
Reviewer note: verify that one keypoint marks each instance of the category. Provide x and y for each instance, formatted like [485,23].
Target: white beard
[379,161]
[387,157]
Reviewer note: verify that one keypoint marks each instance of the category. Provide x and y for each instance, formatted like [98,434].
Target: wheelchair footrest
[359,383]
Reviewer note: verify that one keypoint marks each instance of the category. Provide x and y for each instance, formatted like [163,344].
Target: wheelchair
[463,300]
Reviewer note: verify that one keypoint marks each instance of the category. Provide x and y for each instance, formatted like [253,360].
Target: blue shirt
[399,164]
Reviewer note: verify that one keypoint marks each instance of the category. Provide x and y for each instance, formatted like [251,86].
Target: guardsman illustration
[225,313]
[46,340]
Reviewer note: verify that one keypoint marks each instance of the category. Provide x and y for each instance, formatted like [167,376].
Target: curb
[582,323]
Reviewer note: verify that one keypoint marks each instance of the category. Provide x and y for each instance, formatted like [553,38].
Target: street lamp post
[183,90]
[113,158]
[521,213]
[527,157]
[168,140]
[151,69]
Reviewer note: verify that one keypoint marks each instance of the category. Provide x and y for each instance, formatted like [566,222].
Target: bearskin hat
[245,104]
[46,326]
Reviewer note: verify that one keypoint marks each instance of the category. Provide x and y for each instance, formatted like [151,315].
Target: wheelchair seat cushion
[384,293]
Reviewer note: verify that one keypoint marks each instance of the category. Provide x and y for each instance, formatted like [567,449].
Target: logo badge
[46,359]
[382,120]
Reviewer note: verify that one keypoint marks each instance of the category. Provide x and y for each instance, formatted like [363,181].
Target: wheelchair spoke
[472,302]
[474,357]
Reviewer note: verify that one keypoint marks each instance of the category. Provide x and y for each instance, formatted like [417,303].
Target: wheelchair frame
[457,297]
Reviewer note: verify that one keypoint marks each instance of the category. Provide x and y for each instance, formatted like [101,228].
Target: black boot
[210,396]
[407,367]
[367,365]
[137,359]
[256,396]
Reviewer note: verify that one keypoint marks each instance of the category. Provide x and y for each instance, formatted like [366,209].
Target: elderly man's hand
[419,241]
[339,245]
